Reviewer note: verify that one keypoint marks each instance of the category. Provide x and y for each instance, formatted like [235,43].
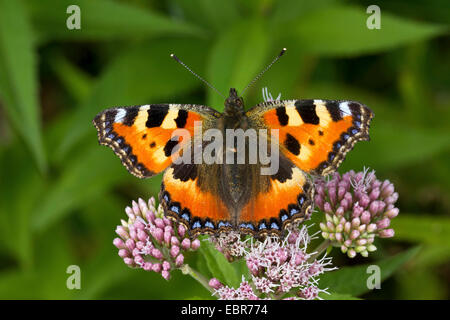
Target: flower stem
[186,269]
[319,250]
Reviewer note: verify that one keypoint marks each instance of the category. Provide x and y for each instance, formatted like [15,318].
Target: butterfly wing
[142,135]
[315,134]
[189,195]
[313,138]
[277,200]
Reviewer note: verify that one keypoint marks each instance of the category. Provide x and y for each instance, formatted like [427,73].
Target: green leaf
[422,229]
[142,74]
[105,269]
[91,173]
[342,31]
[337,296]
[393,145]
[47,279]
[219,266]
[77,83]
[288,10]
[18,77]
[413,85]
[236,58]
[432,255]
[216,15]
[19,285]
[103,20]
[421,284]
[21,188]
[281,79]
[102,273]
[52,259]
[352,280]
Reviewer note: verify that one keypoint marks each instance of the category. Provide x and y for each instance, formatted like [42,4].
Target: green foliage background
[61,195]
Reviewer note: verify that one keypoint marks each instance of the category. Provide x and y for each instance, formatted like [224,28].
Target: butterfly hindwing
[315,134]
[186,199]
[142,135]
[278,200]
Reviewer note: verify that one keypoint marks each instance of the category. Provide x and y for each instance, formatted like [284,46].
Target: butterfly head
[234,104]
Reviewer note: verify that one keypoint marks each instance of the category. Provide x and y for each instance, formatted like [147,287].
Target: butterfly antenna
[198,77]
[262,72]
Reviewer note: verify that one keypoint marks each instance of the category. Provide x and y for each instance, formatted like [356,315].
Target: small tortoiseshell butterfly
[313,138]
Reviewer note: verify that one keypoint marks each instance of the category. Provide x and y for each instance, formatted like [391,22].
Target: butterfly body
[311,137]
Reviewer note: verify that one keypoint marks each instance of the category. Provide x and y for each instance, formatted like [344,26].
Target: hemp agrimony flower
[150,241]
[278,269]
[358,208]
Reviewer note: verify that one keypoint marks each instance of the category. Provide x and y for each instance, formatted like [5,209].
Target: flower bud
[159,223]
[174,251]
[121,232]
[195,244]
[156,267]
[147,266]
[124,253]
[165,274]
[179,260]
[157,254]
[365,217]
[386,233]
[119,243]
[351,253]
[174,241]
[383,223]
[215,284]
[130,244]
[392,213]
[354,234]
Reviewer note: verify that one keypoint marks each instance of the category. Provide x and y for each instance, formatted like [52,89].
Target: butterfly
[313,138]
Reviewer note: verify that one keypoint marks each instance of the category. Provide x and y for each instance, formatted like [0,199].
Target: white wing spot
[121,113]
[345,110]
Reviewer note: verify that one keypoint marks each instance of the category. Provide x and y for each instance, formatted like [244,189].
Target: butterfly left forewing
[142,136]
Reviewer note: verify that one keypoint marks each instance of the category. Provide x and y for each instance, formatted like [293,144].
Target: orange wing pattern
[315,134]
[142,135]
[287,199]
[201,211]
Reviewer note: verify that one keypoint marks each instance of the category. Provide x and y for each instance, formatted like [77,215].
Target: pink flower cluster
[358,208]
[278,269]
[150,241]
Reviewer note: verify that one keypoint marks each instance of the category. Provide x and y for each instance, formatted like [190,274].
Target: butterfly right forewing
[315,135]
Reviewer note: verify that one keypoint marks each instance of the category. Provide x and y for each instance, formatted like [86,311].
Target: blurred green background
[61,194]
